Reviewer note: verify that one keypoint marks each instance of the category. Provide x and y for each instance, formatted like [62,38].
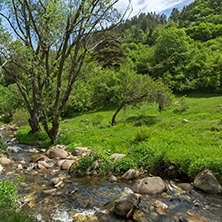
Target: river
[90,195]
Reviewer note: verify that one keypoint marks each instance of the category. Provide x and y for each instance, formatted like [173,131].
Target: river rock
[67,164]
[185,186]
[60,162]
[2,127]
[80,151]
[49,192]
[57,153]
[116,156]
[43,157]
[56,180]
[84,217]
[160,205]
[113,179]
[1,168]
[126,191]
[42,165]
[139,216]
[150,185]
[130,174]
[6,161]
[124,204]
[14,149]
[207,182]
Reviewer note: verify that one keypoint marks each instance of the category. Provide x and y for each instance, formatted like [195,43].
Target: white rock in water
[1,168]
[20,167]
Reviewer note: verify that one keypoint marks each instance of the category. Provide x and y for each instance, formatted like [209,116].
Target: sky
[158,6]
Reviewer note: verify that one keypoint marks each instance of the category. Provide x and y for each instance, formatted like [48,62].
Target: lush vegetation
[149,138]
[9,207]
[138,64]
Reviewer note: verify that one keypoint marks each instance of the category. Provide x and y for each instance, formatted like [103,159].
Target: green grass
[149,137]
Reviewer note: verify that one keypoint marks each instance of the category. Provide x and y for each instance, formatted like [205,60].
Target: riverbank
[51,194]
[187,136]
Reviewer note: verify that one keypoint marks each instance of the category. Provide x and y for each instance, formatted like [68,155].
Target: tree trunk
[34,122]
[53,132]
[115,114]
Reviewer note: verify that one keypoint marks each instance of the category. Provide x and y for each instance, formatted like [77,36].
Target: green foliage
[110,53]
[20,117]
[10,101]
[98,160]
[24,135]
[8,194]
[142,135]
[8,208]
[3,146]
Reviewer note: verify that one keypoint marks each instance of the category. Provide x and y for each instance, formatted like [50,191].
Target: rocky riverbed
[51,194]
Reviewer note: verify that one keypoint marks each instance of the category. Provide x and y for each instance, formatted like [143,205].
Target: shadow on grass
[196,94]
[143,120]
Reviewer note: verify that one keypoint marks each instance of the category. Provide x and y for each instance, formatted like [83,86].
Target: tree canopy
[49,34]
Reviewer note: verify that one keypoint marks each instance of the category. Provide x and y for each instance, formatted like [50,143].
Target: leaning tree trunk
[115,114]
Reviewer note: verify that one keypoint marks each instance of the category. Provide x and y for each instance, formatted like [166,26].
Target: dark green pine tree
[110,53]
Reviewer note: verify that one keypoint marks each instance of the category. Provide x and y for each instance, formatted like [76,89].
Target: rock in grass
[150,185]
[80,151]
[207,182]
[116,156]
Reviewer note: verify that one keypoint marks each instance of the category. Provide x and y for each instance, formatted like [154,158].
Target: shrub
[142,135]
[20,117]
[8,209]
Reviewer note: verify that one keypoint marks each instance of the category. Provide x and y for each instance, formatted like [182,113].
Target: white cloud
[148,5]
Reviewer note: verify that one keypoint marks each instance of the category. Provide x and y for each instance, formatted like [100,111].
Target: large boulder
[56,152]
[207,182]
[150,185]
[124,204]
[67,164]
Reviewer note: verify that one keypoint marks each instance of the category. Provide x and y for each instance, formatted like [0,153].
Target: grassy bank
[150,138]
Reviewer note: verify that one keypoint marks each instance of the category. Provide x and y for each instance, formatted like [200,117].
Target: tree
[128,88]
[49,33]
[174,14]
[110,52]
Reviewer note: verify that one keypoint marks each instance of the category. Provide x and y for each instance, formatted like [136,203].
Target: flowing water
[92,195]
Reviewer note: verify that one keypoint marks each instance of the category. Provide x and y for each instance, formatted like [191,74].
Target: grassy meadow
[149,138]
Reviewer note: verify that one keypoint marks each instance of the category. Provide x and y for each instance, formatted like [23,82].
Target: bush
[20,117]
[8,209]
[24,135]
[142,135]
[99,161]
